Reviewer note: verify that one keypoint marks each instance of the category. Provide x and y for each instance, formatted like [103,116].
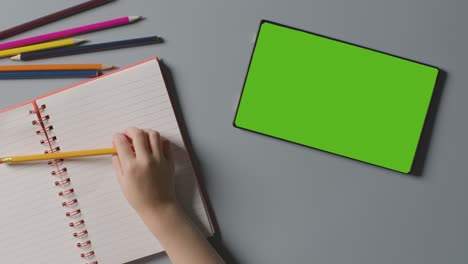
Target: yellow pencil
[59,155]
[41,46]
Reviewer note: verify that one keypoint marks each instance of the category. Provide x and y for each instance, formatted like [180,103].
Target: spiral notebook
[73,211]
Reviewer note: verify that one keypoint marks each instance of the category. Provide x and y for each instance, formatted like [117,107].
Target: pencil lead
[78,41]
[107,67]
[134,18]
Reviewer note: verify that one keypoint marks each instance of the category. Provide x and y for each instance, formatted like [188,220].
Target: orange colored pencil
[55,67]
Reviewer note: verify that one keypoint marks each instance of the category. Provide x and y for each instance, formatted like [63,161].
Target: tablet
[334,96]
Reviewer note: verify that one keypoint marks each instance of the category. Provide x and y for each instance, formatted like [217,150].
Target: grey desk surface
[277,202]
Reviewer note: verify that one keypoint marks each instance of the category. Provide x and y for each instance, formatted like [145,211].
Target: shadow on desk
[216,241]
[424,142]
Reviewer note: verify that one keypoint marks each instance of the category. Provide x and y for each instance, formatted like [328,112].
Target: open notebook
[34,225]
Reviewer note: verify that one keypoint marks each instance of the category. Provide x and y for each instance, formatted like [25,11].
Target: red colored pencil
[52,17]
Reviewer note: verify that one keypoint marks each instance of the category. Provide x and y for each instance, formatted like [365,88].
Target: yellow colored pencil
[42,46]
[59,155]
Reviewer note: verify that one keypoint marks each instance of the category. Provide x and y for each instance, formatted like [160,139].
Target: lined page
[86,117]
[33,225]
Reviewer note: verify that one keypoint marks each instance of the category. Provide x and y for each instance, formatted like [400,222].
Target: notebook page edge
[182,131]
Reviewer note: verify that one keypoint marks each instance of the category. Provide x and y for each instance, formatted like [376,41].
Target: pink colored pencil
[70,32]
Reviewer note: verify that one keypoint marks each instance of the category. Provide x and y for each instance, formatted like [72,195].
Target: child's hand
[146,175]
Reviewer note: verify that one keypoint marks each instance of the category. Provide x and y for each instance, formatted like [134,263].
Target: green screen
[335,97]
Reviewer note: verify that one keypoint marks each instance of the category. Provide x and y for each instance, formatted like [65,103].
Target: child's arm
[146,177]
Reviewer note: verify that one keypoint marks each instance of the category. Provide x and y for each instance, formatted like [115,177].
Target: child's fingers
[154,139]
[139,139]
[167,149]
[124,149]
[117,167]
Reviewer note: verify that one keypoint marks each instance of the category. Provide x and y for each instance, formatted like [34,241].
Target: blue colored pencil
[48,74]
[87,48]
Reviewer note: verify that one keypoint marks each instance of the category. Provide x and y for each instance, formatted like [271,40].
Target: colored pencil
[48,74]
[59,155]
[70,32]
[55,67]
[51,18]
[87,48]
[41,46]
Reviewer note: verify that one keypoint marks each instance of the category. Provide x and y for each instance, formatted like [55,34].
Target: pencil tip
[16,58]
[108,67]
[80,40]
[134,18]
